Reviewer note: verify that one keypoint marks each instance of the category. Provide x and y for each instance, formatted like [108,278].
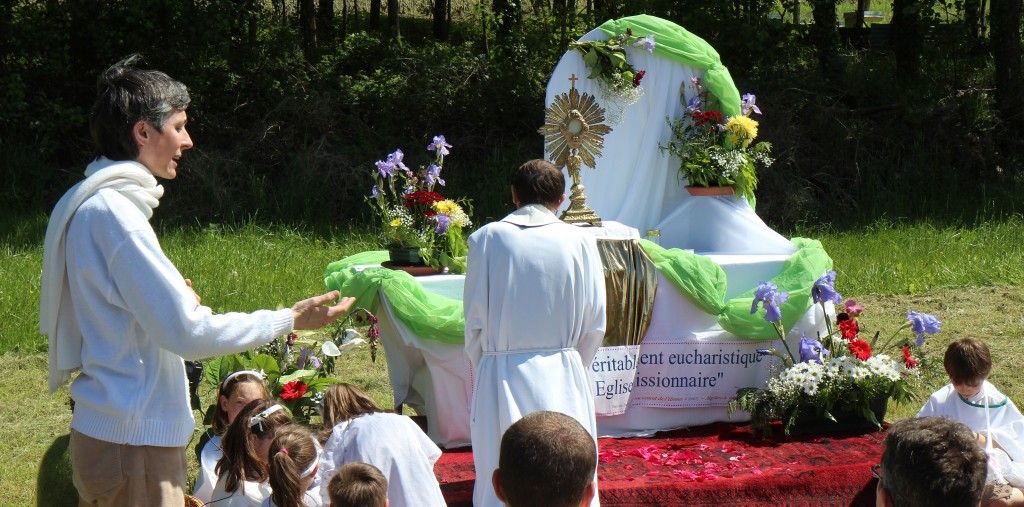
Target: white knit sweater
[138,321]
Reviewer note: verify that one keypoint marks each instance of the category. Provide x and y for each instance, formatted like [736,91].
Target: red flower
[908,359]
[849,328]
[637,77]
[292,390]
[703,118]
[629,32]
[860,348]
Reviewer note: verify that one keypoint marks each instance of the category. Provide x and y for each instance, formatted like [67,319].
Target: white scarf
[138,185]
[532,215]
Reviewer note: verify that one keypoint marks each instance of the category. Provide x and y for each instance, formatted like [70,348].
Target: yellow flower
[741,130]
[447,206]
[396,222]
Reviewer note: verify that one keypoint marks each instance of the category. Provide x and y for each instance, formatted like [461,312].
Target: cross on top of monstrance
[573,136]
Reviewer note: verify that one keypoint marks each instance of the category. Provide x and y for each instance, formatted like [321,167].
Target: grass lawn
[972,278]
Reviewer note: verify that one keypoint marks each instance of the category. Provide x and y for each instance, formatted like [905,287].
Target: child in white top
[357,430]
[294,459]
[236,391]
[242,472]
[999,426]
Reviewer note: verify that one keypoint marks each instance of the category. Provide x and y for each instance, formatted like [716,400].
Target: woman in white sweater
[116,309]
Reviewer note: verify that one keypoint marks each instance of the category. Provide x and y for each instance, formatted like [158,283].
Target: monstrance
[573,136]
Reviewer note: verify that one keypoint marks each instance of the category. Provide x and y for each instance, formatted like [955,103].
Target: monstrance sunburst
[573,136]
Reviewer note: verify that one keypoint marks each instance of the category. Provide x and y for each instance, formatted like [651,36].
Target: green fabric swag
[703,283]
[429,315]
[676,43]
[699,278]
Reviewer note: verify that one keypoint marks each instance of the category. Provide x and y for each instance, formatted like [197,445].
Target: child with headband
[294,459]
[357,430]
[235,392]
[243,472]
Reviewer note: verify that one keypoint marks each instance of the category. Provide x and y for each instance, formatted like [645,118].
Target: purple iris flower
[386,168]
[768,294]
[764,352]
[646,42]
[922,324]
[443,221]
[303,357]
[824,289]
[439,145]
[811,350]
[693,105]
[396,160]
[375,192]
[434,175]
[749,103]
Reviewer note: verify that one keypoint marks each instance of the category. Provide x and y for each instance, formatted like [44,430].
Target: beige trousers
[108,474]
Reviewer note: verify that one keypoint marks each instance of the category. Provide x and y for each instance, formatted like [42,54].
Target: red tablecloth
[718,464]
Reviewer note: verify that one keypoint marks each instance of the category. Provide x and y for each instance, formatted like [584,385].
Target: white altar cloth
[435,378]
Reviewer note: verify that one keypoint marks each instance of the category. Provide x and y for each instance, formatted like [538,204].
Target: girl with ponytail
[294,459]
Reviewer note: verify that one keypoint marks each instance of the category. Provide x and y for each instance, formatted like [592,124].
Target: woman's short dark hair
[127,95]
[539,182]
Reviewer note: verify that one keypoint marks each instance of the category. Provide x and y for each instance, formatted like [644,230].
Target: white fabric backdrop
[636,183]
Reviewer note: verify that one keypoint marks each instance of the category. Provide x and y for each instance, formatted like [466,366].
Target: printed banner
[676,374]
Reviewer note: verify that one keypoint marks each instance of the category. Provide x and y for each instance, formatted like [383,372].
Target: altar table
[435,378]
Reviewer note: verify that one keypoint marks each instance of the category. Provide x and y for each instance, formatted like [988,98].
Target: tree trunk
[825,35]
[441,8]
[974,20]
[374,14]
[307,26]
[908,39]
[394,10]
[344,19]
[325,22]
[1006,55]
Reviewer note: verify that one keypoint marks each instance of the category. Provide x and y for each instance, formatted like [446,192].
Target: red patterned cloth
[718,464]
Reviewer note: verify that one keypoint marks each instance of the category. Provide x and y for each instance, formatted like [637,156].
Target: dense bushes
[286,139]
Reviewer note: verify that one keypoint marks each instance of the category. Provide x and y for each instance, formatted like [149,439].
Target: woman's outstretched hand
[314,313]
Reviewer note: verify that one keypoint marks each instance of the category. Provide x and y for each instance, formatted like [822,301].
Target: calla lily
[330,349]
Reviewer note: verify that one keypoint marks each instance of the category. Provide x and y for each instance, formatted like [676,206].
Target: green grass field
[972,278]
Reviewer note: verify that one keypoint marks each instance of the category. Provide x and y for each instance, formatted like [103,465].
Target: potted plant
[715,151]
[420,226]
[839,382]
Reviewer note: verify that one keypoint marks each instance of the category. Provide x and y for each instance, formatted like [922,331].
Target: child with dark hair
[236,391]
[357,430]
[997,423]
[243,472]
[358,485]
[294,460]
[546,458]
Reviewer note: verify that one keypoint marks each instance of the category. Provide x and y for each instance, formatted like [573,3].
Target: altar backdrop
[634,181]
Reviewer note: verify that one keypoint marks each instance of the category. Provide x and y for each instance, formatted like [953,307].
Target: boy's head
[968,363]
[128,96]
[931,461]
[546,458]
[538,182]
[358,485]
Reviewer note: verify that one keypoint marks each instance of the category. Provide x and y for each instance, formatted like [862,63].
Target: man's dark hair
[539,182]
[932,461]
[127,95]
[967,361]
[546,458]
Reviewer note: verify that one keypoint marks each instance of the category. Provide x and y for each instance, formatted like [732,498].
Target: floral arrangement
[297,369]
[606,60]
[840,372]
[412,214]
[716,150]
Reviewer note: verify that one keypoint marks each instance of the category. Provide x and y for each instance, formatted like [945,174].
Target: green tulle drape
[697,277]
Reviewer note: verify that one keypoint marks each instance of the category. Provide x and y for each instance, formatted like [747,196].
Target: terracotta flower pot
[715,190]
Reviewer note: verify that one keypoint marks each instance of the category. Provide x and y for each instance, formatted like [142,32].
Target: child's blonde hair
[226,389]
[343,402]
[260,419]
[358,485]
[294,456]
